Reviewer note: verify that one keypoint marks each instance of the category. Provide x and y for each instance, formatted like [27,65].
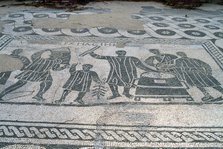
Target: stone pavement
[62,86]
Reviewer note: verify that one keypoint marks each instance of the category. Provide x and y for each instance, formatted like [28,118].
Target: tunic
[39,69]
[123,69]
[81,80]
[194,72]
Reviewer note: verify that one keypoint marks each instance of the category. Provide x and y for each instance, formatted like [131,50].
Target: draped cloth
[81,80]
[39,70]
[123,69]
[194,72]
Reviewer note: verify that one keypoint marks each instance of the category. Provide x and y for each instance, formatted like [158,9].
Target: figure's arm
[206,68]
[36,55]
[25,60]
[58,66]
[94,55]
[149,61]
[73,69]
[95,77]
[167,66]
[143,66]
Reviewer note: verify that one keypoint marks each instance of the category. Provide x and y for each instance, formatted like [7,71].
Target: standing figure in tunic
[79,80]
[193,72]
[123,71]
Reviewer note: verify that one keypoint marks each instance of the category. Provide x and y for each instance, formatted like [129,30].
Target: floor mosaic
[103,87]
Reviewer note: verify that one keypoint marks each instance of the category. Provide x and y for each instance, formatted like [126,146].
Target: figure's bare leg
[44,86]
[11,88]
[79,97]
[126,92]
[115,93]
[63,96]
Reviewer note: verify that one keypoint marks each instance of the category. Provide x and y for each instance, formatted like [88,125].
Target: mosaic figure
[80,80]
[123,71]
[159,58]
[159,84]
[39,71]
[15,54]
[194,72]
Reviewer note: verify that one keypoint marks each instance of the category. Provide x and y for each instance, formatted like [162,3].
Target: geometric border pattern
[215,53]
[110,136]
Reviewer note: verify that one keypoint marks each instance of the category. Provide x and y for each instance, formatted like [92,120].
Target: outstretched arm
[149,61]
[25,61]
[36,55]
[168,66]
[58,66]
[94,55]
[143,66]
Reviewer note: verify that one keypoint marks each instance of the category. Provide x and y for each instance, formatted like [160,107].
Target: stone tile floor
[105,87]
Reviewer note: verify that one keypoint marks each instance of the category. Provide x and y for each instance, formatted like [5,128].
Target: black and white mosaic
[150,75]
[157,25]
[99,136]
[4,40]
[103,87]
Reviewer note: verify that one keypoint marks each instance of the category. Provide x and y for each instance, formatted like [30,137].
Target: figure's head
[121,53]
[154,51]
[181,54]
[46,54]
[87,67]
[17,51]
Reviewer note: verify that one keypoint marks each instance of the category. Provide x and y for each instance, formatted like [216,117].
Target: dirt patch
[90,21]
[8,63]
[120,18]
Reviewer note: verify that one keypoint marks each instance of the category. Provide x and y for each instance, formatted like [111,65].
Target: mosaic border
[109,136]
[214,52]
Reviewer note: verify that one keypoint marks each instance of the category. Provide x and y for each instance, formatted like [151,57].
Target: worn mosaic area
[79,88]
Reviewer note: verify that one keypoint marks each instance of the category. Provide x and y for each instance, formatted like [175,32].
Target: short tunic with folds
[81,80]
[38,70]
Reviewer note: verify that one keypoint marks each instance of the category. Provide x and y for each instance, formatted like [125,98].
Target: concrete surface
[148,76]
